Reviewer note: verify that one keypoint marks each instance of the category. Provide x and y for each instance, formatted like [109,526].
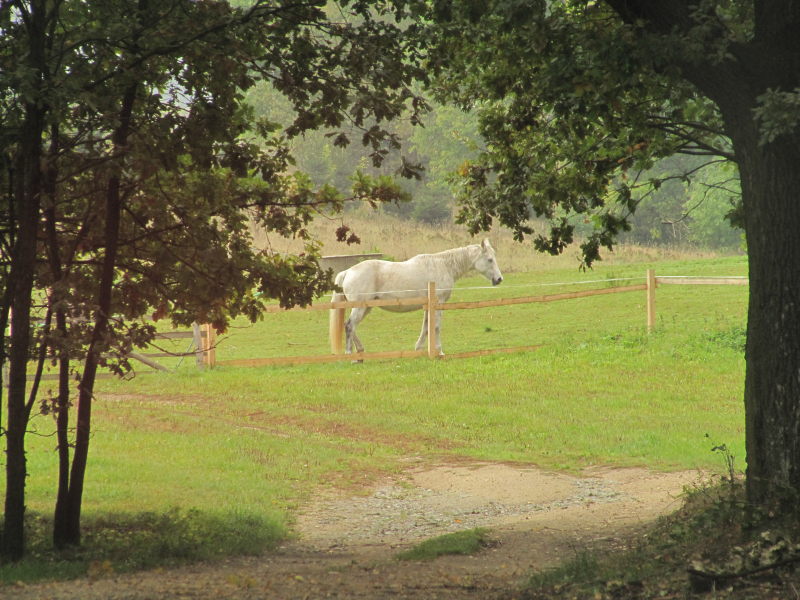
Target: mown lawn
[598,391]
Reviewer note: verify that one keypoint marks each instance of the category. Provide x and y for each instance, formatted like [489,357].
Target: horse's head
[486,263]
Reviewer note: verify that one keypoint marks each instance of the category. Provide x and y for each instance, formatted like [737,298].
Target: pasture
[599,391]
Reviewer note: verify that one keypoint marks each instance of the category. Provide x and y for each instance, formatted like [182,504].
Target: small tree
[136,171]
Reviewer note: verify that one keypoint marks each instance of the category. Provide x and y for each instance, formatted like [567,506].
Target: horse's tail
[337,296]
[336,317]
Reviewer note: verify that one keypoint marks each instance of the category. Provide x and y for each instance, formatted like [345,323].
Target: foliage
[570,136]
[445,139]
[470,541]
[695,203]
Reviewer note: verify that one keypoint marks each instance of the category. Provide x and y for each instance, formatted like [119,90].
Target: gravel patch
[397,514]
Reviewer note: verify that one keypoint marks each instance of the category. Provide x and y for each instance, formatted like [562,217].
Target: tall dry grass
[399,239]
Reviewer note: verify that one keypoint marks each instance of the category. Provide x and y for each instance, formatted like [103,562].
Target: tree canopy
[576,110]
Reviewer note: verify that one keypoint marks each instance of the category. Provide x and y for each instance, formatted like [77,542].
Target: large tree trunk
[770,187]
[770,181]
[770,177]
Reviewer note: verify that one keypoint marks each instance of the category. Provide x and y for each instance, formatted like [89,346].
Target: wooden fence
[205,336]
[203,348]
[204,344]
[430,303]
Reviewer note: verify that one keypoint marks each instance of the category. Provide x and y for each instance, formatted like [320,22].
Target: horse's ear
[485,244]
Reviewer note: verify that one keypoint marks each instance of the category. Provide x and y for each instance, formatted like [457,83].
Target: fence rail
[546,298]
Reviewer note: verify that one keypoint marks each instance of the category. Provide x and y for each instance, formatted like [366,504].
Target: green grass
[259,441]
[300,333]
[465,542]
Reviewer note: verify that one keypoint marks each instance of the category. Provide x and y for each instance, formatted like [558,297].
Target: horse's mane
[458,259]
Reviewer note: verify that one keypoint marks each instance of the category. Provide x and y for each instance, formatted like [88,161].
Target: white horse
[380,279]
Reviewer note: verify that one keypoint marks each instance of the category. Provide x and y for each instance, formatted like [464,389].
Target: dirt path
[346,544]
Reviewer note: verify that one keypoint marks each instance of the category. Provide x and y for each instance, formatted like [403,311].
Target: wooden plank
[210,345]
[550,298]
[173,335]
[167,354]
[55,376]
[144,359]
[197,342]
[323,358]
[416,301]
[703,280]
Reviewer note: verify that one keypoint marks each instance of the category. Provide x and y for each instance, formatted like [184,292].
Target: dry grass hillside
[400,239]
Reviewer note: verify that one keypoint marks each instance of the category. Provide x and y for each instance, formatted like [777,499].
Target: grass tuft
[465,542]
[733,338]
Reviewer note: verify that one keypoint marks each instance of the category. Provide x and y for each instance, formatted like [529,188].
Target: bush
[460,542]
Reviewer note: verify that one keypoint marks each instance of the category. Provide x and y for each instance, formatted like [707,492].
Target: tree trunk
[23,260]
[60,534]
[68,513]
[770,179]
[770,183]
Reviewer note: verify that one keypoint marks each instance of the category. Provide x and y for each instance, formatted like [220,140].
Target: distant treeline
[683,211]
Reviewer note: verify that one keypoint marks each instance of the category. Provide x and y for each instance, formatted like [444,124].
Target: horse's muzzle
[497,281]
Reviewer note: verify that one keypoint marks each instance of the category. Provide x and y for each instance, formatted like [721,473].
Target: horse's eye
[491,260]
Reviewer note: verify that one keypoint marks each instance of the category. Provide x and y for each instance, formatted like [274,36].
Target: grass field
[598,391]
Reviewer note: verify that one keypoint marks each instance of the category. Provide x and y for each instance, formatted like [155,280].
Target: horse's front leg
[423,336]
[438,330]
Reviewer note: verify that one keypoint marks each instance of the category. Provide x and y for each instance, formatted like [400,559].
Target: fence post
[432,320]
[336,330]
[651,300]
[199,348]
[209,345]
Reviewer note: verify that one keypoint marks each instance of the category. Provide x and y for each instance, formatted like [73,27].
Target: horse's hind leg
[356,316]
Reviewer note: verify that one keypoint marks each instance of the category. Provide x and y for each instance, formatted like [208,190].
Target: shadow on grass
[117,543]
